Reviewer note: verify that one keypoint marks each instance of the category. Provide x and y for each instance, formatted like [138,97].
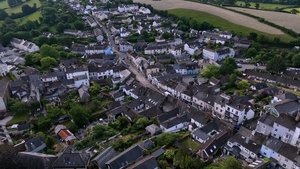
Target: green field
[32,17]
[17,9]
[264,6]
[223,24]
[289,10]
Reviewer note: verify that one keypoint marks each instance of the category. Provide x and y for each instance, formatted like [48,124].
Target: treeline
[286,2]
[184,23]
[13,3]
[54,19]
[284,29]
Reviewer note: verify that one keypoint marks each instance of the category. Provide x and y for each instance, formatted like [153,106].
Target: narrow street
[123,57]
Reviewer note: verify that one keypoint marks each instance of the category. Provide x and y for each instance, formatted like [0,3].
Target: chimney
[247,140]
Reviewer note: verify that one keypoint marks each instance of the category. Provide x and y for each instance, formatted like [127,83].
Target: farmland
[230,16]
[263,6]
[32,17]
[17,9]
[220,22]
[289,21]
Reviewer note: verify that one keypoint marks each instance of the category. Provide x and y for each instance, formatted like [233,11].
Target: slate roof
[245,138]
[151,112]
[291,107]
[104,156]
[174,121]
[198,116]
[69,159]
[200,134]
[149,162]
[168,115]
[212,146]
[34,143]
[33,160]
[126,158]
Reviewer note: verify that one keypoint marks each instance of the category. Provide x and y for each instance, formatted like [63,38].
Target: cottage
[245,144]
[64,134]
[283,154]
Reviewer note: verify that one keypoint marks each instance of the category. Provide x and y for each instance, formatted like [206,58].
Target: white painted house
[283,154]
[24,45]
[219,54]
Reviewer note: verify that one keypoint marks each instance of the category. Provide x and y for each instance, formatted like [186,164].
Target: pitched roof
[149,162]
[34,143]
[104,156]
[70,158]
[126,158]
[36,160]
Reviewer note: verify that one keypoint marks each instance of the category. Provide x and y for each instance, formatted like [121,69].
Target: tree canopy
[276,64]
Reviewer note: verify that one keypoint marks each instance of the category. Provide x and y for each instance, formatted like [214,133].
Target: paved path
[122,57]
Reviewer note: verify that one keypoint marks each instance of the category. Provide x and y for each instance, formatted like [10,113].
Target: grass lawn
[32,17]
[4,4]
[223,24]
[266,6]
[189,143]
[17,9]
[19,118]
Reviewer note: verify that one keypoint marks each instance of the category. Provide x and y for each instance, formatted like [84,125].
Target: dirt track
[223,13]
[289,21]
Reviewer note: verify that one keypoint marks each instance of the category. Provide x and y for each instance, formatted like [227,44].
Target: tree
[3,14]
[47,63]
[228,67]
[79,115]
[26,9]
[33,59]
[252,35]
[47,50]
[251,52]
[276,64]
[60,27]
[296,60]
[141,124]
[18,107]
[257,5]
[79,25]
[166,139]
[183,160]
[167,35]
[13,3]
[211,71]
[294,11]
[243,85]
